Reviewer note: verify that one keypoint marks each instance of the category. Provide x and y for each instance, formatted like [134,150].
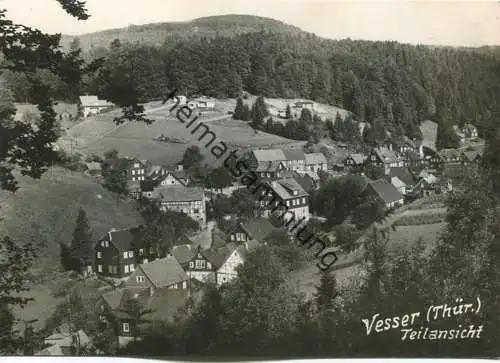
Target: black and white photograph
[250,180]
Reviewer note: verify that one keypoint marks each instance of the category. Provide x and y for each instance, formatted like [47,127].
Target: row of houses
[407,156]
[271,163]
[164,285]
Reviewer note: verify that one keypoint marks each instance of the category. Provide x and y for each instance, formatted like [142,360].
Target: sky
[455,23]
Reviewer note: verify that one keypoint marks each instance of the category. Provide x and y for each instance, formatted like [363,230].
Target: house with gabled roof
[189,200]
[355,161]
[158,274]
[315,162]
[385,158]
[135,169]
[91,105]
[118,253]
[287,192]
[231,258]
[64,342]
[163,304]
[254,230]
[473,156]
[194,261]
[402,178]
[295,160]
[386,193]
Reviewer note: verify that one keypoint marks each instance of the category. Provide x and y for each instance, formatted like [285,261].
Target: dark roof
[258,229]
[385,154]
[358,158]
[217,256]
[184,253]
[118,163]
[386,191]
[448,154]
[305,181]
[178,193]
[124,239]
[284,188]
[294,154]
[403,174]
[164,271]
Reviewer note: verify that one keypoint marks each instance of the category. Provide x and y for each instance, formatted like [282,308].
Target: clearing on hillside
[44,211]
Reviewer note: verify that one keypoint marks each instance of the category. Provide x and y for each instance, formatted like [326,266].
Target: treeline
[396,85]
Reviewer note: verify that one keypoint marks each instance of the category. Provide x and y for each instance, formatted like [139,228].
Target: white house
[227,271]
[91,105]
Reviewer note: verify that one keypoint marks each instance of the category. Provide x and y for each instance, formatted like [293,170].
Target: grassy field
[44,211]
[429,133]
[98,134]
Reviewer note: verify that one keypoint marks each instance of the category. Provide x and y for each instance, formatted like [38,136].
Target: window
[99,254]
[99,268]
[136,165]
[132,267]
[125,254]
[133,172]
[209,265]
[200,264]
[184,285]
[130,254]
[102,243]
[238,237]
[106,244]
[126,328]
[140,278]
[141,252]
[196,210]
[191,264]
[287,203]
[232,237]
[303,200]
[126,269]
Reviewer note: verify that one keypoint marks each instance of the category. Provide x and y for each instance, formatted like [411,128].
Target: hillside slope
[44,211]
[158,33]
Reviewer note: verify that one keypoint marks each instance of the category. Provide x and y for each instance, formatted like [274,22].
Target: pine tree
[306,116]
[288,112]
[82,242]
[239,112]
[326,292]
[259,112]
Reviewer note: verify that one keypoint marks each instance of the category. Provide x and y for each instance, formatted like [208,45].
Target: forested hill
[390,85]
[157,33]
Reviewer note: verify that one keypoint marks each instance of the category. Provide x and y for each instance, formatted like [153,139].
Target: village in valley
[165,281]
[234,186]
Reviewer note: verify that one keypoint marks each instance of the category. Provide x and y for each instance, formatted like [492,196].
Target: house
[407,145]
[386,193]
[163,273]
[287,192]
[294,160]
[399,184]
[444,157]
[163,305]
[64,342]
[93,168]
[355,162]
[304,104]
[469,131]
[91,105]
[405,176]
[135,189]
[136,170]
[173,178]
[230,258]
[194,262]
[189,200]
[427,185]
[384,157]
[255,230]
[266,163]
[207,239]
[471,156]
[202,103]
[307,181]
[117,254]
[315,162]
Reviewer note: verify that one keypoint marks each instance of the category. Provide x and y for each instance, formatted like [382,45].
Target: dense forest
[383,83]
